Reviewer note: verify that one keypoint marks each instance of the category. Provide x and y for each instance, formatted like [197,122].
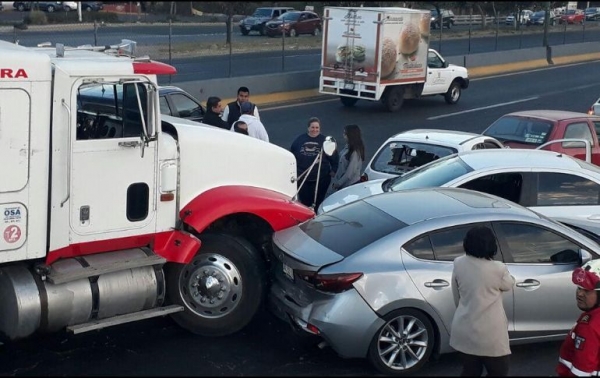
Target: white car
[510,19]
[595,108]
[411,149]
[553,184]
[69,5]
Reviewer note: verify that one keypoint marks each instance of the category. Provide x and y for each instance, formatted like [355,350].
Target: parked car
[525,14]
[572,16]
[68,6]
[1,6]
[258,20]
[174,101]
[408,150]
[592,14]
[46,6]
[374,278]
[538,18]
[595,108]
[295,23]
[447,18]
[533,128]
[90,6]
[550,183]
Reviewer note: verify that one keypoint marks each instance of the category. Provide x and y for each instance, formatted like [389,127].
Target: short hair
[313,119]
[243,89]
[212,102]
[480,242]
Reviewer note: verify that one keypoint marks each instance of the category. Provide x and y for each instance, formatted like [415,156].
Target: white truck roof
[36,66]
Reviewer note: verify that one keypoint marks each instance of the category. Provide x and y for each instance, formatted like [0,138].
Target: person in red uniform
[580,352]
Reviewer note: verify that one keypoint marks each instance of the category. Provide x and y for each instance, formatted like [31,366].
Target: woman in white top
[351,160]
[479,328]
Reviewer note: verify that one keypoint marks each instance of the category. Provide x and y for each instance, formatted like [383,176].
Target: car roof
[517,158]
[441,203]
[551,115]
[169,89]
[447,137]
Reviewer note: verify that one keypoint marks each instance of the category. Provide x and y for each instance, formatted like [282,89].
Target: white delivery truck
[383,54]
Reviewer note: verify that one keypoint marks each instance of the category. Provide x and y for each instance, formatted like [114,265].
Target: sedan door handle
[437,283]
[528,283]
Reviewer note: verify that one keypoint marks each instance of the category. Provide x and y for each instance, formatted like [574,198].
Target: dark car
[446,20]
[174,101]
[538,18]
[592,14]
[90,6]
[295,23]
[46,6]
[260,17]
[1,6]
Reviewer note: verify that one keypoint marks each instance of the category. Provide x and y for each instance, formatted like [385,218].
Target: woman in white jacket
[351,160]
[479,328]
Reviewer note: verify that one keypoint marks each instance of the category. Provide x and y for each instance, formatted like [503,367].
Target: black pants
[473,365]
[307,193]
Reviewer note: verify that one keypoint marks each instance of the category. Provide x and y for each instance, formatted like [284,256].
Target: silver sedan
[373,278]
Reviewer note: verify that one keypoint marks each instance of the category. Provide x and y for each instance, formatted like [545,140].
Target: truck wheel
[394,98]
[348,101]
[222,287]
[453,94]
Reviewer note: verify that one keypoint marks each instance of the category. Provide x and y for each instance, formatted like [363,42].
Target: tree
[230,9]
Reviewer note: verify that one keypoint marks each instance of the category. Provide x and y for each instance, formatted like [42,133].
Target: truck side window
[434,61]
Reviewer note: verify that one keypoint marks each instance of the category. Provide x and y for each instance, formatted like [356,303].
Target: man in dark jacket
[233,110]
[213,113]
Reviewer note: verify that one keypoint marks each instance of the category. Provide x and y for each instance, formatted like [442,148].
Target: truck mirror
[329,146]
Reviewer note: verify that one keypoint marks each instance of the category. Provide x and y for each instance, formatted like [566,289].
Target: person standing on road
[255,128]
[479,330]
[580,352]
[213,113]
[350,160]
[233,110]
[306,147]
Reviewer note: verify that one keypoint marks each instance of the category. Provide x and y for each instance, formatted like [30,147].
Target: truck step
[57,278]
[121,319]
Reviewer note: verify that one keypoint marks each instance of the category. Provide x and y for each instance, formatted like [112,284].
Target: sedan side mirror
[584,256]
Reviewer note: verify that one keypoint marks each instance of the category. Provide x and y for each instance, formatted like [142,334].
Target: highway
[267,346]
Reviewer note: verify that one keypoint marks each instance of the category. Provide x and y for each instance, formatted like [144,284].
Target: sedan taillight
[591,111]
[331,283]
[364,177]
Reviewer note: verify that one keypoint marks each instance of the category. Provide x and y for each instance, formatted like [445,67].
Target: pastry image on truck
[383,54]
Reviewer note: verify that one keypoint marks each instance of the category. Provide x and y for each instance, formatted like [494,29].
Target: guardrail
[475,19]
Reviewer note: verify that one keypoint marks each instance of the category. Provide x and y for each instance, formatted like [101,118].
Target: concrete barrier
[282,87]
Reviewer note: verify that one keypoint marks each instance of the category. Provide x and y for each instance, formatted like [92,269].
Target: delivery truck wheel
[453,94]
[221,289]
[393,98]
[348,101]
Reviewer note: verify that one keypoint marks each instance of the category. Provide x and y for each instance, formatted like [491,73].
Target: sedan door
[429,263]
[541,261]
[183,106]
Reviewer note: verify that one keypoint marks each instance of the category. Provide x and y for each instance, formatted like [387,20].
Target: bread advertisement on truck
[365,43]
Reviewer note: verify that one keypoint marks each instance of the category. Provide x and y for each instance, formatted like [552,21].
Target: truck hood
[456,68]
[350,194]
[211,157]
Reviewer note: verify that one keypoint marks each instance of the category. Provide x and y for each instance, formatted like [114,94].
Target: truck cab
[114,212]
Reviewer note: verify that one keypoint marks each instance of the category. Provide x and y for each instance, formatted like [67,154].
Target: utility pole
[546,23]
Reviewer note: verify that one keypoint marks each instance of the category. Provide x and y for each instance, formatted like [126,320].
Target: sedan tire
[403,344]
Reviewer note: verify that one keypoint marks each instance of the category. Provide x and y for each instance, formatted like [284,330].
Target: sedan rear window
[432,175]
[349,228]
[521,130]
[400,157]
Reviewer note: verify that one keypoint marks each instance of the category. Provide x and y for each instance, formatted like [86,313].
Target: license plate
[288,271]
[349,86]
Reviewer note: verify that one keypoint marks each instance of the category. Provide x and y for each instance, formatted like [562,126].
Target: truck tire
[221,289]
[453,94]
[394,98]
[348,101]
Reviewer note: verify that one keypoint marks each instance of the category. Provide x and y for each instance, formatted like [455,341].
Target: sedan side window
[532,244]
[421,248]
[560,189]
[164,106]
[185,106]
[448,244]
[578,131]
[505,185]
[597,127]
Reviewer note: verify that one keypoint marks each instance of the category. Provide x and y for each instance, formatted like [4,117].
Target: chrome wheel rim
[316,33]
[211,286]
[292,33]
[455,94]
[402,342]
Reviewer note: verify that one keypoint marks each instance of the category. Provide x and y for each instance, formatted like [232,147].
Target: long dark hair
[355,142]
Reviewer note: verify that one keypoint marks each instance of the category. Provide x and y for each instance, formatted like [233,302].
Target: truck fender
[275,208]
[176,246]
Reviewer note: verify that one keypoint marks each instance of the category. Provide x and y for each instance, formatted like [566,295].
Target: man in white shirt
[233,110]
[255,127]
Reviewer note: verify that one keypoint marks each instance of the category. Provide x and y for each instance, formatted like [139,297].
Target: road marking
[483,108]
[530,71]
[298,104]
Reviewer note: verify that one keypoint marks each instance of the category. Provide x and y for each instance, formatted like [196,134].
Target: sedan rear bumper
[345,321]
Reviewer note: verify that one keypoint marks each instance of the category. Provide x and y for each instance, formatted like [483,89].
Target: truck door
[439,77]
[112,170]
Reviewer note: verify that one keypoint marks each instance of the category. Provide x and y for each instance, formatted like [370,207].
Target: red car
[572,16]
[295,23]
[535,128]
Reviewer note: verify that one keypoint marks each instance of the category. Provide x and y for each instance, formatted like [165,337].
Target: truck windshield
[431,175]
